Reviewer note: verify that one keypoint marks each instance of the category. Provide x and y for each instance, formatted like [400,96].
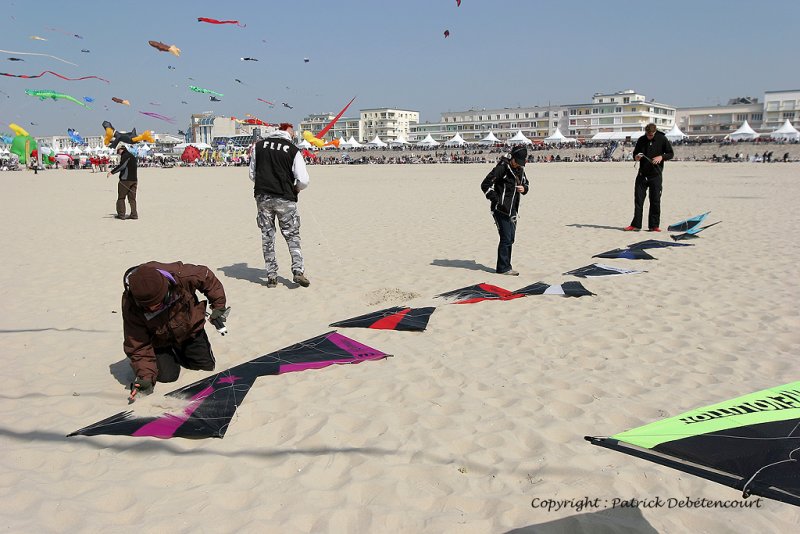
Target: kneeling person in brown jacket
[163,320]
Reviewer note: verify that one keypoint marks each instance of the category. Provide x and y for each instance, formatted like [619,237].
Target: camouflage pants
[270,208]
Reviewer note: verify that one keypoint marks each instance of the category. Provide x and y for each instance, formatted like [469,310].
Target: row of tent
[786,132]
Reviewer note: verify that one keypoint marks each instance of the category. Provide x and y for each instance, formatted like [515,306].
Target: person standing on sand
[278,172]
[128,182]
[651,150]
[503,187]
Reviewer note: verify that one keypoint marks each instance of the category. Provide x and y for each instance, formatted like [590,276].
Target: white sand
[467,423]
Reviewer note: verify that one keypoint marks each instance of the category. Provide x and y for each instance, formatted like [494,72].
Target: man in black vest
[279,173]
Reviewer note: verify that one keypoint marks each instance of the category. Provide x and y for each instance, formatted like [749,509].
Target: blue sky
[386,53]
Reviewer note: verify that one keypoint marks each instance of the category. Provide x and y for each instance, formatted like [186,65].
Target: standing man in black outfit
[503,186]
[651,150]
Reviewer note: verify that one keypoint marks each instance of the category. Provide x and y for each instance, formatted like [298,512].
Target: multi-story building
[720,120]
[619,113]
[780,106]
[345,127]
[387,123]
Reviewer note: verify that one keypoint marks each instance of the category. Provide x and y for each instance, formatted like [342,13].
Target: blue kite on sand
[690,225]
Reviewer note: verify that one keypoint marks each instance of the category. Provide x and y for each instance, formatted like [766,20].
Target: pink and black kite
[396,318]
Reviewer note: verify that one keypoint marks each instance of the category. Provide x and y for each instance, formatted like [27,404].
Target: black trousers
[194,353]
[506,228]
[640,190]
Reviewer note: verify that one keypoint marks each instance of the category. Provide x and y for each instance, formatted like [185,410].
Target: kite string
[745,491]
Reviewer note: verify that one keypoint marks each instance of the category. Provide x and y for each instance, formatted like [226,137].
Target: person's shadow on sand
[472,265]
[241,271]
[122,372]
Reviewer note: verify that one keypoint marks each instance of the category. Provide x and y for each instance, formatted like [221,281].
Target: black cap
[519,154]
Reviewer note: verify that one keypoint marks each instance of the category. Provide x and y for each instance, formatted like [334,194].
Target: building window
[618,109]
[626,100]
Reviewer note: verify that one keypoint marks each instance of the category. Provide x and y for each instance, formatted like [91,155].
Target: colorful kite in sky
[172,49]
[29,76]
[215,21]
[75,137]
[750,443]
[211,403]
[44,95]
[270,104]
[114,137]
[248,59]
[158,116]
[120,101]
[206,91]
[34,54]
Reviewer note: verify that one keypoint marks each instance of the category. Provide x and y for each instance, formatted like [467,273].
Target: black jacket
[126,167]
[271,167]
[659,146]
[500,187]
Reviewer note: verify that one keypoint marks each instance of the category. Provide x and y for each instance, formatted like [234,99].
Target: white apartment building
[720,120]
[621,112]
[780,106]
[387,123]
[345,127]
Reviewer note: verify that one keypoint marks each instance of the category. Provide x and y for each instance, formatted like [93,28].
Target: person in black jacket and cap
[651,151]
[503,187]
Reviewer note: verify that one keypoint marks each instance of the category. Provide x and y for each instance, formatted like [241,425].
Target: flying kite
[88,99]
[120,101]
[750,443]
[158,116]
[317,140]
[248,59]
[270,104]
[215,99]
[215,21]
[446,34]
[170,67]
[30,76]
[33,54]
[306,60]
[211,403]
[396,318]
[287,105]
[458,3]
[114,137]
[85,50]
[75,136]
[184,102]
[172,49]
[238,80]
[64,31]
[44,95]
[207,91]
[37,38]
[597,269]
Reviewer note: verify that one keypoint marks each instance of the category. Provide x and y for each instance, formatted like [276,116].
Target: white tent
[489,139]
[304,144]
[341,141]
[558,137]
[745,132]
[519,139]
[457,140]
[428,141]
[675,134]
[787,131]
[616,136]
[399,141]
[351,143]
[377,142]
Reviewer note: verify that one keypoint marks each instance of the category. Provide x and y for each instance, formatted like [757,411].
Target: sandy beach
[467,423]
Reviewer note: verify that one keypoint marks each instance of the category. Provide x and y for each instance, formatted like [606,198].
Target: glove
[220,315]
[144,387]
